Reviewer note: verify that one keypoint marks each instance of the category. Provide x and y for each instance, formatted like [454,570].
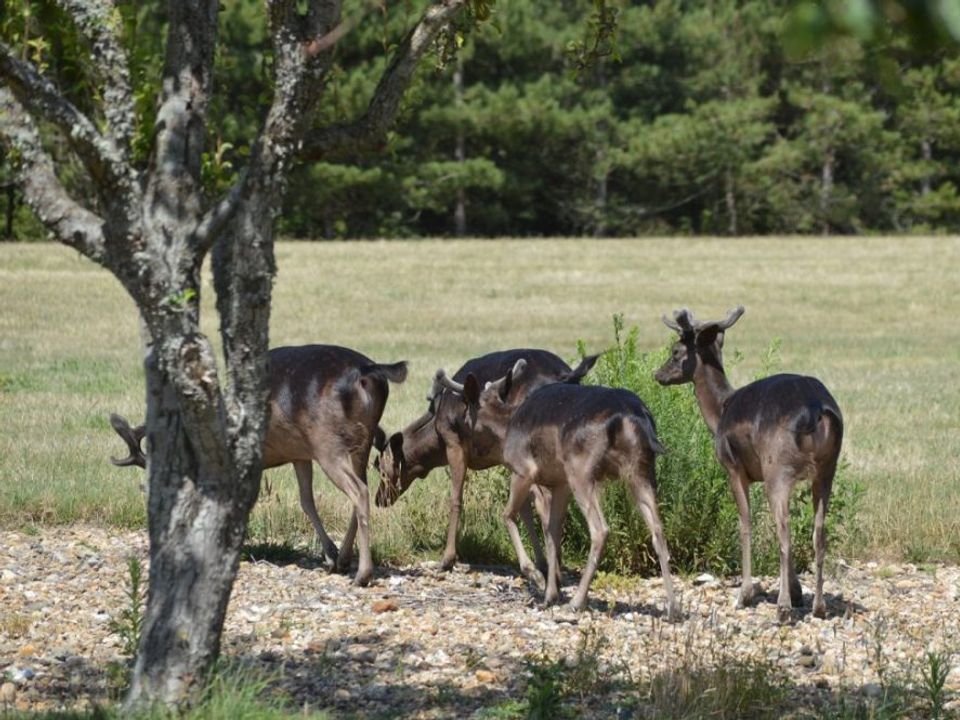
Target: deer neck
[711,388]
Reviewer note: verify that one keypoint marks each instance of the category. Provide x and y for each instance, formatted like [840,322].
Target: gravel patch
[423,643]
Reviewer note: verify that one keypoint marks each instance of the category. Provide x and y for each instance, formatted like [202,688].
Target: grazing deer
[325,405]
[444,436]
[776,431]
[567,438]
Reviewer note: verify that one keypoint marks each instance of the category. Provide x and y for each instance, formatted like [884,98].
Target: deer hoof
[784,614]
[819,608]
[330,554]
[746,595]
[796,595]
[535,577]
[448,561]
[674,613]
[363,579]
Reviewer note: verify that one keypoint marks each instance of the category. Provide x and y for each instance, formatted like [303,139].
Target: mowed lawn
[877,319]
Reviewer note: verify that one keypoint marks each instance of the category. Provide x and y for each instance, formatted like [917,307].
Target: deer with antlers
[777,431]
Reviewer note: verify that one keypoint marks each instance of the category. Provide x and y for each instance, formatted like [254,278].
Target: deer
[325,406]
[443,435]
[778,431]
[566,439]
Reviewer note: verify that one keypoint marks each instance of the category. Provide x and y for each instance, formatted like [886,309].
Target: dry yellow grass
[874,318]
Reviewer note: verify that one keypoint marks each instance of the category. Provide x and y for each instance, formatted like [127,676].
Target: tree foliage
[674,116]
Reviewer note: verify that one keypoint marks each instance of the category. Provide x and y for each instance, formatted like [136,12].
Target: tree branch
[69,221]
[99,22]
[41,97]
[302,46]
[385,102]
[174,185]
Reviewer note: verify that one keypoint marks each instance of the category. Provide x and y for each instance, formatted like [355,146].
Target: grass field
[875,318]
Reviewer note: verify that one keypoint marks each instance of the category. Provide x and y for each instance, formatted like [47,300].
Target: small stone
[438,659]
[807,661]
[7,575]
[703,579]
[806,650]
[872,690]
[485,676]
[361,653]
[23,675]
[27,651]
[341,695]
[8,692]
[388,605]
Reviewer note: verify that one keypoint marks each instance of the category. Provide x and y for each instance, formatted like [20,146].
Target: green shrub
[696,505]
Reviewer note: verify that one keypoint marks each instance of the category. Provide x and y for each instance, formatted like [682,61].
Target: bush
[696,505]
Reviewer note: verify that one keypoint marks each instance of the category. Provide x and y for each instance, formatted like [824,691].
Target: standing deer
[325,405]
[567,438]
[776,431]
[444,436]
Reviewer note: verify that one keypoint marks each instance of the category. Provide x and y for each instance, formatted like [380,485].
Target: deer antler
[732,317]
[443,380]
[132,437]
[683,321]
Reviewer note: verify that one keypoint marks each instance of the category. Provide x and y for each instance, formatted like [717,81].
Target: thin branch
[100,21]
[69,221]
[383,108]
[42,98]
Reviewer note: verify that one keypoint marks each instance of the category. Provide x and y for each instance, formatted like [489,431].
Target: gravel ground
[422,643]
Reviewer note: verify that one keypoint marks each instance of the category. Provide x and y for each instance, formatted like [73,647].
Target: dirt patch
[423,643]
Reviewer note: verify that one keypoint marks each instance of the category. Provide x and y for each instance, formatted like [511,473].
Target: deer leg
[519,490]
[458,473]
[796,589]
[740,486]
[646,498]
[585,492]
[552,534]
[342,474]
[346,547]
[822,485]
[304,471]
[778,495]
[526,514]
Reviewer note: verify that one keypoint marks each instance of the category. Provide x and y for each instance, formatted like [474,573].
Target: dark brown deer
[566,438]
[325,405]
[776,431]
[443,435]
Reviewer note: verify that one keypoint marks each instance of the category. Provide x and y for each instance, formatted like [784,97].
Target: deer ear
[471,390]
[396,444]
[507,383]
[708,335]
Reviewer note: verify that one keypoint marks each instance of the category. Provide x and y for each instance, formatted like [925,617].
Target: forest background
[699,118]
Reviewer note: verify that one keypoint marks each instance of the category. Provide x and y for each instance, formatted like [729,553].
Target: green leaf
[949,12]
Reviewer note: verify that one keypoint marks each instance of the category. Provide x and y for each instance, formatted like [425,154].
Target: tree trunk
[198,511]
[926,148]
[826,191]
[601,171]
[460,153]
[10,210]
[730,197]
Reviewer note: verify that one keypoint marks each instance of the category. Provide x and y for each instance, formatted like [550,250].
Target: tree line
[696,119]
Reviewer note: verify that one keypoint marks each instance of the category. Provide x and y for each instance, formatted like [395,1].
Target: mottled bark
[152,229]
